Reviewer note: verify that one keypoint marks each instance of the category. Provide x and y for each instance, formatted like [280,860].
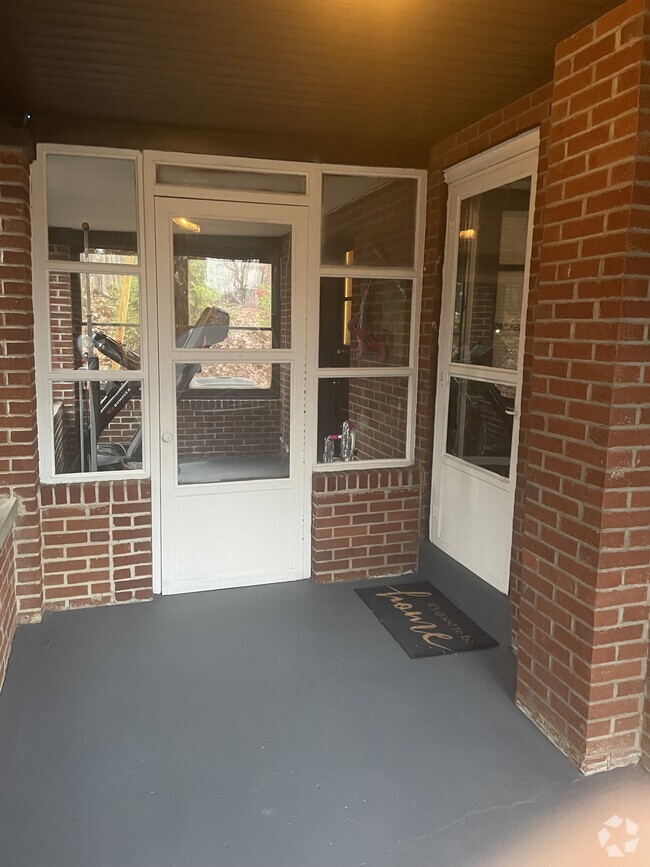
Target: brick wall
[18,446]
[378,226]
[229,427]
[96,543]
[124,425]
[364,524]
[7,602]
[583,616]
[62,325]
[377,409]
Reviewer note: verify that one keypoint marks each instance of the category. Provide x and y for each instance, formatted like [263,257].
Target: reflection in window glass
[374,410]
[226,430]
[364,323]
[479,425]
[91,208]
[233,375]
[368,220]
[94,321]
[240,274]
[490,276]
[97,426]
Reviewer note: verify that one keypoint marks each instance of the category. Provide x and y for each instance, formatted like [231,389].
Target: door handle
[167,437]
[512,412]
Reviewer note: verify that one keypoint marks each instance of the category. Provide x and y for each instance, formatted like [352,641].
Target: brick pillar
[18,446]
[583,616]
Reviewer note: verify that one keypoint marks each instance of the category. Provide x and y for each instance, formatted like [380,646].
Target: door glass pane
[490,276]
[94,321]
[479,423]
[91,209]
[233,422]
[368,221]
[374,410]
[364,323]
[97,426]
[230,179]
[232,284]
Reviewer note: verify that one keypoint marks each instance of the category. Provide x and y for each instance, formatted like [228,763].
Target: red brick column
[583,617]
[18,446]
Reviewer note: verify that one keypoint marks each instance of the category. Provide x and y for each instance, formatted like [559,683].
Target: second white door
[481,356]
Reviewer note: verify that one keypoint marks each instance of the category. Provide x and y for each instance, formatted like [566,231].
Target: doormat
[423,621]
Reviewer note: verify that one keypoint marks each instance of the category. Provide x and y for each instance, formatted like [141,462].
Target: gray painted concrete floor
[281,726]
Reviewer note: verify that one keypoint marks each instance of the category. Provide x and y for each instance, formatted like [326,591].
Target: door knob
[167,437]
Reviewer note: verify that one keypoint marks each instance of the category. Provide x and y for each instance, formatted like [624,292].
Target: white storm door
[480,364]
[231,302]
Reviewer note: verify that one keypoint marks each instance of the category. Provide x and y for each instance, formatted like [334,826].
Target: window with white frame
[88,271]
[369,304]
[89,281]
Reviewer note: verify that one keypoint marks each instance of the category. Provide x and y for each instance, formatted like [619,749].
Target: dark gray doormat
[423,621]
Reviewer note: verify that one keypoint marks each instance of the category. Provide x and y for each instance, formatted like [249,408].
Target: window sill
[93,478]
[8,515]
[353,466]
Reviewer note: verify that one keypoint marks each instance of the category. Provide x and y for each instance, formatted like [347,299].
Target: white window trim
[415,276]
[146,189]
[42,266]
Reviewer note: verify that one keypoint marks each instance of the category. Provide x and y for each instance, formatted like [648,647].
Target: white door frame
[312,198]
[500,165]
[300,480]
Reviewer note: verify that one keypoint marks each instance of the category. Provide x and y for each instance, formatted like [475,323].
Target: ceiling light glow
[184,223]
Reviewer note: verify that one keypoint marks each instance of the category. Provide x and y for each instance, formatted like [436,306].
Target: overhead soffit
[403,72]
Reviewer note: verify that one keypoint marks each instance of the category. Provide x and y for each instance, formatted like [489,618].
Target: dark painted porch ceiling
[386,76]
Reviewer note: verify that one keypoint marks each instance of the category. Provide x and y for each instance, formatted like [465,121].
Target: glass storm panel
[232,284]
[364,323]
[230,179]
[491,262]
[479,424]
[97,426]
[228,429]
[91,209]
[94,321]
[368,221]
[374,410]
